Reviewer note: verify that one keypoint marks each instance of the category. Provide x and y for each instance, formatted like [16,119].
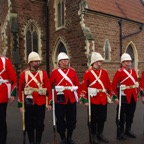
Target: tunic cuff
[114,97]
[19,104]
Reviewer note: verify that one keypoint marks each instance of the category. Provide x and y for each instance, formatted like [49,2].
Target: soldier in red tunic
[67,90]
[7,92]
[141,87]
[96,85]
[125,92]
[36,86]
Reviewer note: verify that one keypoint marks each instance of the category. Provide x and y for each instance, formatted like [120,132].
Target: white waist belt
[93,91]
[123,87]
[3,81]
[71,88]
[62,88]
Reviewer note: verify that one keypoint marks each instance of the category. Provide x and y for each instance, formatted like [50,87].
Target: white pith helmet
[33,56]
[125,57]
[62,56]
[96,57]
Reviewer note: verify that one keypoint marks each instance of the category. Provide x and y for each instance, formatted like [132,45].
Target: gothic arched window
[60,12]
[131,53]
[62,48]
[31,39]
[107,49]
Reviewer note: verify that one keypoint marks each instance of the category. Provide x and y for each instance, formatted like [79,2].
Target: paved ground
[81,133]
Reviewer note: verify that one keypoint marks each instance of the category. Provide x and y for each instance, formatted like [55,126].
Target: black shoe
[121,137]
[102,138]
[130,134]
[94,139]
[63,141]
[70,141]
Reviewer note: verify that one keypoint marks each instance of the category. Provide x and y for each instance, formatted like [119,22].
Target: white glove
[92,92]
[137,84]
[123,87]
[73,88]
[59,88]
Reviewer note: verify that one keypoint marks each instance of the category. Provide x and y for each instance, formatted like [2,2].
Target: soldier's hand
[116,101]
[12,98]
[80,102]
[86,104]
[21,109]
[49,107]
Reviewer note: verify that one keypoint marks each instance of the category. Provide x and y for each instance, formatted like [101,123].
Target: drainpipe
[47,38]
[120,24]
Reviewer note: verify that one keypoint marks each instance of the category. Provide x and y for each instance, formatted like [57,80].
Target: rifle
[89,118]
[23,119]
[54,123]
[119,111]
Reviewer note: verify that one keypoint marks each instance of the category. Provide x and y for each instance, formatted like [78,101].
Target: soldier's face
[35,65]
[64,63]
[127,64]
[97,64]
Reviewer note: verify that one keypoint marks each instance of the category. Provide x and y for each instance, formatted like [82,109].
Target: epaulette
[54,69]
[88,70]
[120,69]
[72,68]
[104,69]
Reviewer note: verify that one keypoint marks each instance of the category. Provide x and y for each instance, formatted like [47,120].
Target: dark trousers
[34,120]
[3,124]
[66,118]
[126,115]
[98,117]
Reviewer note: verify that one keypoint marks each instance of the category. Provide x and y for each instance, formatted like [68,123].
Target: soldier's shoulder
[55,69]
[4,57]
[24,71]
[104,70]
[88,70]
[120,69]
[71,68]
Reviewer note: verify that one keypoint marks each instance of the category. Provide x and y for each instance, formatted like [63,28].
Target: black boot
[100,131]
[63,138]
[38,136]
[128,131]
[69,137]
[31,136]
[63,141]
[120,132]
[94,139]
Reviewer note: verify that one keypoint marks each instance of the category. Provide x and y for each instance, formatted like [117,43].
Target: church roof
[129,9]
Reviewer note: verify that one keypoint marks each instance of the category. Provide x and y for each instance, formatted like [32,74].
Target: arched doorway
[131,53]
[60,47]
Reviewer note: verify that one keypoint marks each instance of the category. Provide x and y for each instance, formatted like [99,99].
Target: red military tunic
[119,77]
[56,77]
[141,86]
[10,75]
[88,78]
[38,99]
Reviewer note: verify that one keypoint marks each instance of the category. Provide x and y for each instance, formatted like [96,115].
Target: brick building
[77,27]
[23,29]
